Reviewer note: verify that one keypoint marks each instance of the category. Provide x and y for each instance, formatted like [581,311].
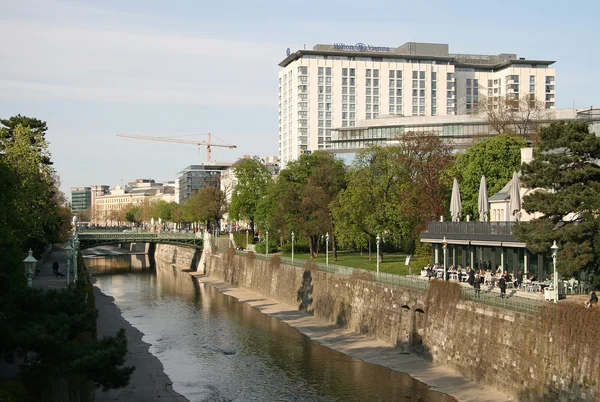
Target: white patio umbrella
[515,197]
[455,204]
[482,202]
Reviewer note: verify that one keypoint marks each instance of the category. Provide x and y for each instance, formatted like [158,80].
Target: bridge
[94,238]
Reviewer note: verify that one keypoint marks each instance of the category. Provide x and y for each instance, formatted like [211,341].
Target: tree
[299,200]
[253,179]
[565,170]
[495,157]
[393,191]
[208,205]
[507,115]
[163,210]
[36,129]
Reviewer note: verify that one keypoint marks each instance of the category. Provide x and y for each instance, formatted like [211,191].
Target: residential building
[459,130]
[81,200]
[195,177]
[336,86]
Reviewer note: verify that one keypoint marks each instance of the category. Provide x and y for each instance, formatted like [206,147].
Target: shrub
[262,247]
[299,247]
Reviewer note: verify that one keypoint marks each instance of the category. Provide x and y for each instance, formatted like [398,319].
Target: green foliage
[393,191]
[300,247]
[208,204]
[299,200]
[253,180]
[262,246]
[497,158]
[566,175]
[163,210]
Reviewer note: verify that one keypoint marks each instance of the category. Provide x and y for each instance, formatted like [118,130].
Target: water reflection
[216,349]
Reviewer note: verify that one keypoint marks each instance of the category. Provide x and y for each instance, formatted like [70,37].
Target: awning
[486,243]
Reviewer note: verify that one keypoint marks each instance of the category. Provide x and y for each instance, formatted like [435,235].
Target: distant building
[81,200]
[337,85]
[195,177]
[459,131]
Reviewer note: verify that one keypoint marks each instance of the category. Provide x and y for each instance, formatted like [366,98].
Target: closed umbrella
[455,204]
[515,197]
[482,202]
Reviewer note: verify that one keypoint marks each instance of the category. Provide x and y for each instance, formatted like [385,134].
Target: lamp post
[445,247]
[246,239]
[29,263]
[75,253]
[554,249]
[327,249]
[377,239]
[267,238]
[69,251]
[293,247]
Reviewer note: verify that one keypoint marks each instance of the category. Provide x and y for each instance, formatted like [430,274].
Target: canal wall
[533,358]
[185,257]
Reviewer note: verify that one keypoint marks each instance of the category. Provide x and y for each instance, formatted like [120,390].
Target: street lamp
[445,247]
[267,233]
[75,253]
[554,249]
[293,247]
[29,263]
[69,251]
[378,239]
[327,249]
[246,239]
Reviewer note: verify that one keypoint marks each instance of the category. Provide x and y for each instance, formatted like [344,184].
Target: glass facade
[81,199]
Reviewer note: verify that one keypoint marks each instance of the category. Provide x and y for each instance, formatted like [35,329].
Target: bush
[300,247]
[240,238]
[262,247]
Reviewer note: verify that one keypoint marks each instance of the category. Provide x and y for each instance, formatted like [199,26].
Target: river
[215,348]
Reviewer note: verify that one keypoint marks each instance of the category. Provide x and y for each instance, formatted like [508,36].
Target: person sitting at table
[519,281]
[545,284]
[593,300]
[533,278]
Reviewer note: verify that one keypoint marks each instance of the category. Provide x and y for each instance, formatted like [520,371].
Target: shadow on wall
[305,293]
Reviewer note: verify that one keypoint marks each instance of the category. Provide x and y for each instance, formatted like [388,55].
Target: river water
[215,348]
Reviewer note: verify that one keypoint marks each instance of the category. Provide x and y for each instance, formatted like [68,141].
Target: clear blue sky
[92,69]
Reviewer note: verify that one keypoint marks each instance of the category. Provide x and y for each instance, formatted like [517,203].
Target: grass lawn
[392,263]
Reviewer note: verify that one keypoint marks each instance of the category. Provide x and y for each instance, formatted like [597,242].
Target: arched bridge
[89,239]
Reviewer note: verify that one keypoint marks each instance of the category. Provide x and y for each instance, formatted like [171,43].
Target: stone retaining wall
[186,257]
[513,352]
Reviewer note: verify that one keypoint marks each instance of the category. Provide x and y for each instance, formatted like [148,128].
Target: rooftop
[438,52]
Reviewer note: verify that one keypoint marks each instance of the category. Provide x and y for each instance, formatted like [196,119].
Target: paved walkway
[439,378]
[148,382]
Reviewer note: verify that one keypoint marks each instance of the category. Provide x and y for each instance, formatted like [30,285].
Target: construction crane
[208,143]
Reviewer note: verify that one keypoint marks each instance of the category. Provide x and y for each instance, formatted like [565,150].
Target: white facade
[334,86]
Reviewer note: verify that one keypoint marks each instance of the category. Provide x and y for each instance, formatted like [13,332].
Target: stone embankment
[527,357]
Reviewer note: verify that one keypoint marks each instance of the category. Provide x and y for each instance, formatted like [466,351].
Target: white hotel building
[335,86]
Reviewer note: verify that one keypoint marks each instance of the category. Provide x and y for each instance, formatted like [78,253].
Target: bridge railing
[139,237]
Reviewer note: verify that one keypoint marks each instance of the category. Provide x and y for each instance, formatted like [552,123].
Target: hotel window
[368,73]
[415,75]
[352,72]
[344,72]
[549,79]
[328,71]
[531,88]
[320,70]
[368,91]
[532,79]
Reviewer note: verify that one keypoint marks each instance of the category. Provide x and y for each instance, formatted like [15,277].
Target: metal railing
[471,228]
[511,302]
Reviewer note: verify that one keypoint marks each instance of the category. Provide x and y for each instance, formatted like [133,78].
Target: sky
[92,69]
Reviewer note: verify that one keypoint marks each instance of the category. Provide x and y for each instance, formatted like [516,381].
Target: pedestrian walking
[55,268]
[502,286]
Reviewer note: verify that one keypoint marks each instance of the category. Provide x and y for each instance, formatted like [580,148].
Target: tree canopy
[497,158]
[207,205]
[253,180]
[566,173]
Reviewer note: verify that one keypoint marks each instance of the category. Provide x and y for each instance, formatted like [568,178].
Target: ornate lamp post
[327,249]
[75,253]
[445,247]
[29,263]
[293,247]
[267,248]
[69,252]
[554,249]
[377,239]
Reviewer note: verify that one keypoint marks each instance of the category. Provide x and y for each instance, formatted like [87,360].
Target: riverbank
[148,381]
[439,378]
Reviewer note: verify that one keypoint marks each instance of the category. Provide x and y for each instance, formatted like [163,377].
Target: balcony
[474,232]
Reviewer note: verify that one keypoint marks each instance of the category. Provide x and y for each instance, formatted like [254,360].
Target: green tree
[393,191]
[497,158]
[207,205]
[566,173]
[253,179]
[299,200]
[163,210]
[36,129]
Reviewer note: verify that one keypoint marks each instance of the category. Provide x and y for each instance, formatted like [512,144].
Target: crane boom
[208,143]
